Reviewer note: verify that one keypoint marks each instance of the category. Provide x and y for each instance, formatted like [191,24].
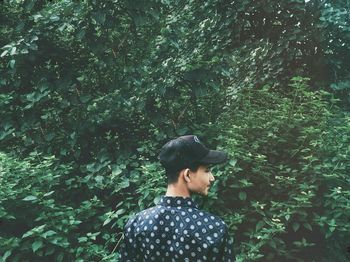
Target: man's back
[176,230]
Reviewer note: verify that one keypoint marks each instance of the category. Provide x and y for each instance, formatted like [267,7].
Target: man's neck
[177,190]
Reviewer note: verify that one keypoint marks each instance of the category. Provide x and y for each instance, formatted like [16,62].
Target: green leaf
[49,193]
[4,53]
[107,221]
[259,225]
[242,196]
[12,63]
[296,226]
[30,198]
[54,18]
[233,162]
[99,179]
[116,171]
[48,233]
[36,245]
[6,255]
[125,184]
[308,226]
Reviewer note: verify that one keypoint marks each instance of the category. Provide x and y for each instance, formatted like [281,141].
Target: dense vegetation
[90,90]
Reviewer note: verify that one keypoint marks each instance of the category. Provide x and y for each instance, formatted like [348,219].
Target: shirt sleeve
[128,250]
[227,253]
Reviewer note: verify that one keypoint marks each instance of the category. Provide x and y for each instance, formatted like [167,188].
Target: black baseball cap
[184,151]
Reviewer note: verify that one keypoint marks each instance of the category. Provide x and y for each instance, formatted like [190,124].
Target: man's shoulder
[141,215]
[211,218]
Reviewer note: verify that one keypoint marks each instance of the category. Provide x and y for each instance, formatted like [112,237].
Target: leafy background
[90,91]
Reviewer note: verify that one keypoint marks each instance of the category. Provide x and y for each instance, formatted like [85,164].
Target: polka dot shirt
[176,230]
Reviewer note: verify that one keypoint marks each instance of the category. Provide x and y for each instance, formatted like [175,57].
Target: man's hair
[173,176]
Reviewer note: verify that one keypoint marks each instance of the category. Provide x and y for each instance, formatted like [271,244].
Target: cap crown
[182,152]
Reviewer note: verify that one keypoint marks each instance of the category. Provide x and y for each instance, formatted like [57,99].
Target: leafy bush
[284,191]
[101,85]
[39,220]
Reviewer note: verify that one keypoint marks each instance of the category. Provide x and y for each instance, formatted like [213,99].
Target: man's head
[188,155]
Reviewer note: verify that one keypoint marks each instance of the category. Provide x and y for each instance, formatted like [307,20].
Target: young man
[175,229]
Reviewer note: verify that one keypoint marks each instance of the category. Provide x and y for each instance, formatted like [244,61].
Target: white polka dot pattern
[176,230]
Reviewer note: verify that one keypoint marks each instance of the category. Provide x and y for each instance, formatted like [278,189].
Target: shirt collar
[177,201]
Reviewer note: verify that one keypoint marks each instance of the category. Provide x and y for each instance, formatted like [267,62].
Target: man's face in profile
[201,180]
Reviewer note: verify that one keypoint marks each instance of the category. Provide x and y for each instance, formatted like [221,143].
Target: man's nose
[212,178]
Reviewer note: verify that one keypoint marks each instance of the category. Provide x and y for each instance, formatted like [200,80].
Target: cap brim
[214,157]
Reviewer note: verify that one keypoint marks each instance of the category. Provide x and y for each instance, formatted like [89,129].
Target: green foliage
[101,85]
[287,181]
[39,218]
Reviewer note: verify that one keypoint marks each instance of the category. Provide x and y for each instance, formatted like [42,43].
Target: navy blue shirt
[176,230]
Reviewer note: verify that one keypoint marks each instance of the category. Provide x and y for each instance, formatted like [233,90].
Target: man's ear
[187,175]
